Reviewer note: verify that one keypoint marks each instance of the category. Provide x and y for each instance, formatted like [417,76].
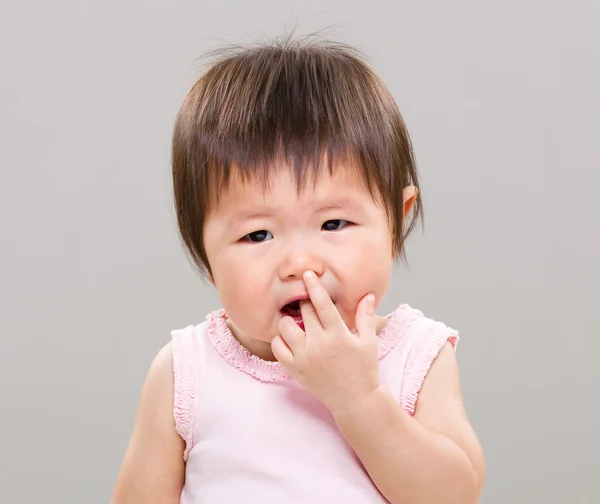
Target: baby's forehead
[288,184]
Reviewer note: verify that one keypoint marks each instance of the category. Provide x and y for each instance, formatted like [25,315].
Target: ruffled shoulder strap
[426,338]
[184,369]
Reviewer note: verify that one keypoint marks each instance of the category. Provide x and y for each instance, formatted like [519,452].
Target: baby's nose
[298,261]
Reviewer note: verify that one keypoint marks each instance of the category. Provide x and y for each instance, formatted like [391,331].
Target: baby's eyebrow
[342,204]
[242,215]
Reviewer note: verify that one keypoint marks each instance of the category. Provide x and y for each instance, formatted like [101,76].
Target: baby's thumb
[365,316]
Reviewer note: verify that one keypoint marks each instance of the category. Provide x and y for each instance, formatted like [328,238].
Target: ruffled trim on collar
[230,349]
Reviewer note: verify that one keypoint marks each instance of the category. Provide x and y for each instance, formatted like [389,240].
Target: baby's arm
[153,470]
[431,458]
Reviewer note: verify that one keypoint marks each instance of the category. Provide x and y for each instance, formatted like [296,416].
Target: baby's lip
[299,297]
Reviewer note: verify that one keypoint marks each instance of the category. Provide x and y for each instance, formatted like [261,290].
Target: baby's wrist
[359,405]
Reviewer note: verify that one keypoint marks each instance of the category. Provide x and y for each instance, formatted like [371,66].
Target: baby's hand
[334,364]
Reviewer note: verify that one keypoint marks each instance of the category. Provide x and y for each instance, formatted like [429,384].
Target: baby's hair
[306,103]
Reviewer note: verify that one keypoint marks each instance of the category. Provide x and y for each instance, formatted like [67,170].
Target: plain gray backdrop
[501,99]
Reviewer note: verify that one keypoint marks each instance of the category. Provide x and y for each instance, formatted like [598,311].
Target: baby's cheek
[248,284]
[375,277]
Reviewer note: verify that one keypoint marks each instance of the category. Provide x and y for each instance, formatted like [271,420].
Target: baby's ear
[409,196]
[210,278]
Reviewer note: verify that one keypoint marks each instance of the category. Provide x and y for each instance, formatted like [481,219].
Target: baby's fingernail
[309,275]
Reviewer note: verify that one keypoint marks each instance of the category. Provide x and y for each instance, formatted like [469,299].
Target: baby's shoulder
[159,380]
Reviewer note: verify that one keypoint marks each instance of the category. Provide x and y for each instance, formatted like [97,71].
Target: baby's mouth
[292,309]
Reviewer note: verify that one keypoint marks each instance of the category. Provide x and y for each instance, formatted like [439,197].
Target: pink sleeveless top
[252,433]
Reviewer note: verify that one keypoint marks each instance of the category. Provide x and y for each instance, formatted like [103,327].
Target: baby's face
[259,243]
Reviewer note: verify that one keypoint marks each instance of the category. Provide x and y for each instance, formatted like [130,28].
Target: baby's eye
[258,236]
[334,224]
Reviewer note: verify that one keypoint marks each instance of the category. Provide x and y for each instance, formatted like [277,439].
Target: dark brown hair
[294,102]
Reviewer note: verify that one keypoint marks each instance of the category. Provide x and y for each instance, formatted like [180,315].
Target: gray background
[502,102]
